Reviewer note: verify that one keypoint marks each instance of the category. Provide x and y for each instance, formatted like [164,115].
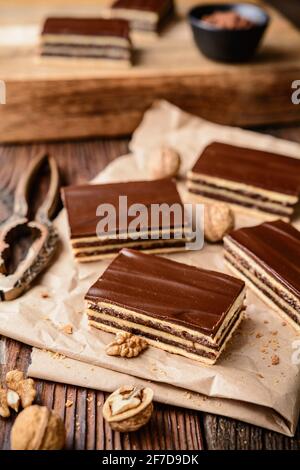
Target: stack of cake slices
[262,183]
[175,307]
[168,233]
[267,258]
[106,40]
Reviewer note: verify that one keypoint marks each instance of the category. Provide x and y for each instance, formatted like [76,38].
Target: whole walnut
[164,162]
[37,428]
[218,221]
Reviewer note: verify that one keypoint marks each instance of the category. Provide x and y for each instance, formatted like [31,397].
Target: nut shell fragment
[128,408]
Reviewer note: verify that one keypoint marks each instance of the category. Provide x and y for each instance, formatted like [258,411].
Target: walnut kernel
[25,388]
[37,428]
[164,162]
[128,408]
[218,221]
[126,345]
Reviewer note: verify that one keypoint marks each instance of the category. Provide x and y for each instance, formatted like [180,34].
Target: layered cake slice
[106,40]
[266,184]
[146,215]
[267,258]
[146,17]
[175,307]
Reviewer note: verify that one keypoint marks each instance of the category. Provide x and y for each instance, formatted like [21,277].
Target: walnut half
[126,345]
[128,408]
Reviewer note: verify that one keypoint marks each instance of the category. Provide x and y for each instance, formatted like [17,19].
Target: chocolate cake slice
[162,228]
[175,307]
[261,183]
[146,17]
[267,258]
[106,40]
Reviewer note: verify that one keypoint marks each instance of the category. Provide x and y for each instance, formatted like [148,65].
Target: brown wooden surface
[170,428]
[91,101]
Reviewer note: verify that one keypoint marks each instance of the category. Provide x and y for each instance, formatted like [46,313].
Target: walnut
[126,345]
[13,400]
[164,162]
[4,409]
[218,221]
[25,388]
[37,428]
[128,408]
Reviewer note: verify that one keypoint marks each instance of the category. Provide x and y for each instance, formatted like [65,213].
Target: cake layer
[97,52]
[185,296]
[88,27]
[249,169]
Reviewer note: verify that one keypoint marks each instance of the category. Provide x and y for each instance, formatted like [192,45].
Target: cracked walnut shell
[218,221]
[128,408]
[126,345]
[37,428]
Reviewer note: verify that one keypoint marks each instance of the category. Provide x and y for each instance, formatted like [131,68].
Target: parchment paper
[243,384]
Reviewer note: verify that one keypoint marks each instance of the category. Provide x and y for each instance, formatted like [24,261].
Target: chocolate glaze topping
[86,26]
[260,169]
[157,6]
[276,246]
[81,202]
[175,292]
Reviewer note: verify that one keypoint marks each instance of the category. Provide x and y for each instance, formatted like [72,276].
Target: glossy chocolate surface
[82,201]
[175,292]
[264,170]
[156,6]
[86,27]
[276,246]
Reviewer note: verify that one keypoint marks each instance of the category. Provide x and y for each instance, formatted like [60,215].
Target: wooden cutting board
[58,99]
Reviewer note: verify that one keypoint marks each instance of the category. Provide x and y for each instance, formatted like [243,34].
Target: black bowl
[228,45]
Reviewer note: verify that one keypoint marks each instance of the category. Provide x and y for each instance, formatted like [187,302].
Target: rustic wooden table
[170,428]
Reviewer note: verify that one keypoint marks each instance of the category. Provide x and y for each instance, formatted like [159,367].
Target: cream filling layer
[142,233]
[136,243]
[251,283]
[244,210]
[83,40]
[215,341]
[120,54]
[233,185]
[166,250]
[259,269]
[132,15]
[240,198]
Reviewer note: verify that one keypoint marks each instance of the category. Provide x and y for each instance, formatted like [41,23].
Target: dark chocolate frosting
[185,295]
[156,6]
[276,246]
[82,201]
[260,169]
[86,26]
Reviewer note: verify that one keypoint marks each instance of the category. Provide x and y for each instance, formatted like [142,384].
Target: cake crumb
[68,329]
[68,403]
[259,335]
[275,360]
